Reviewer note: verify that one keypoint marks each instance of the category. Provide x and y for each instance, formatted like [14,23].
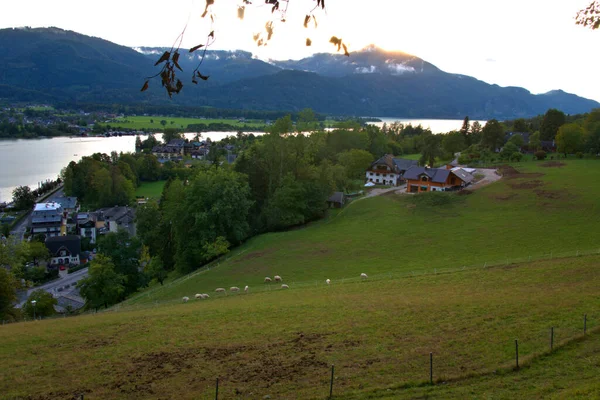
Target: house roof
[337,197]
[404,164]
[70,242]
[176,143]
[118,214]
[462,175]
[395,164]
[51,206]
[437,175]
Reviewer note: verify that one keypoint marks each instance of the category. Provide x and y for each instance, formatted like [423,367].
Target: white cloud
[399,69]
[364,70]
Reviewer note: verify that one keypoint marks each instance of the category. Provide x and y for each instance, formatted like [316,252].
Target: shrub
[516,156]
[77,268]
[540,155]
[579,155]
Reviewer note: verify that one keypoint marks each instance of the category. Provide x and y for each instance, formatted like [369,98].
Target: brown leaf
[345,50]
[193,49]
[145,87]
[179,86]
[203,77]
[308,42]
[211,34]
[306,21]
[176,60]
[241,10]
[166,55]
[269,29]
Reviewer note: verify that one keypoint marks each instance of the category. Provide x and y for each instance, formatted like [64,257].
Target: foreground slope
[543,212]
[281,343]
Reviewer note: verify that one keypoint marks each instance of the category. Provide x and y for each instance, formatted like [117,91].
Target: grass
[378,333]
[151,190]
[541,212]
[282,342]
[144,122]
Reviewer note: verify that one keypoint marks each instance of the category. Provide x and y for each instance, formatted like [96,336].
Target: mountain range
[54,65]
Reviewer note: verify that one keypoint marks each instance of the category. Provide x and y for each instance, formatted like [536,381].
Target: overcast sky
[534,44]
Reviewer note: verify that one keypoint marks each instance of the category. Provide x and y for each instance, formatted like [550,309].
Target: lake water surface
[29,162]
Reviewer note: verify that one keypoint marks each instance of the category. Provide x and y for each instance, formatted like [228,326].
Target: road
[21,227]
[67,282]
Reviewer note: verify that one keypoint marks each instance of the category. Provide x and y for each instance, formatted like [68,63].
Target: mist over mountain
[50,64]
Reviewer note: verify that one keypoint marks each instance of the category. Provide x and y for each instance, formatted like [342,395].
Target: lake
[29,162]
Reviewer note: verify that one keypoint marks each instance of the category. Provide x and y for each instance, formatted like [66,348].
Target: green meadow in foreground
[543,212]
[282,342]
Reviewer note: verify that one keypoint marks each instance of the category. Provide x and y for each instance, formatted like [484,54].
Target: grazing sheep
[363,276]
[220,290]
[198,296]
[284,286]
[246,289]
[328,281]
[277,278]
[186,299]
[234,289]
[267,280]
[204,296]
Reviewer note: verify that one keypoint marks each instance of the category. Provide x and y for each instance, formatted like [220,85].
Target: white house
[389,170]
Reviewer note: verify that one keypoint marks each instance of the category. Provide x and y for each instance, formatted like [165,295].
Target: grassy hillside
[542,212]
[152,190]
[281,343]
[144,122]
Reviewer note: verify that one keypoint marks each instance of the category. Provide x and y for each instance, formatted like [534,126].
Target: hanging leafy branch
[169,60]
[589,17]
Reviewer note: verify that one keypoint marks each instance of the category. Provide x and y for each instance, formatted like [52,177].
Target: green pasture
[154,122]
[152,190]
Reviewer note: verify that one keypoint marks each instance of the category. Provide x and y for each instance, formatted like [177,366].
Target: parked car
[62,268]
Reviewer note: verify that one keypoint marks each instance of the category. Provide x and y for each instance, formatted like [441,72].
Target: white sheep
[234,289]
[246,289]
[205,296]
[220,290]
[186,299]
[363,276]
[328,281]
[284,286]
[198,296]
[267,280]
[277,278]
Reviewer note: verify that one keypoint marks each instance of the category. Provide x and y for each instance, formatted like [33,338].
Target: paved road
[489,176]
[21,227]
[52,287]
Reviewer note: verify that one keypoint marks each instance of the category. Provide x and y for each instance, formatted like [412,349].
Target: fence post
[551,338]
[517,352]
[584,324]
[485,264]
[431,368]
[331,382]
[217,390]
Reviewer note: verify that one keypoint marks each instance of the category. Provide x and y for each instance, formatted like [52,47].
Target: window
[377,174]
[384,175]
[423,188]
[67,260]
[424,178]
[377,180]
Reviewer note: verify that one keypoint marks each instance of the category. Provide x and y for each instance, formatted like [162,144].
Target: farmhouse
[389,170]
[114,218]
[64,250]
[421,179]
[48,219]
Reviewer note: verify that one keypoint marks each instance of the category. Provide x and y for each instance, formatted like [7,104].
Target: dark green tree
[355,162]
[23,197]
[453,142]
[569,139]
[156,270]
[124,252]
[535,142]
[7,294]
[103,286]
[553,119]
[44,304]
[492,135]
[430,149]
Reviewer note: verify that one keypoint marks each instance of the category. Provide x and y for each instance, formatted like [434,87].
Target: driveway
[489,176]
[378,192]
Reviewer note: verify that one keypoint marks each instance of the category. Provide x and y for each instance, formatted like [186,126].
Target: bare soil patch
[504,197]
[550,194]
[526,184]
[553,164]
[511,173]
[253,255]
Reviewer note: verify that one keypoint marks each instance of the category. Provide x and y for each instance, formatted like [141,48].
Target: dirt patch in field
[319,252]
[553,164]
[504,197]
[253,255]
[532,184]
[75,394]
[464,192]
[509,172]
[550,194]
